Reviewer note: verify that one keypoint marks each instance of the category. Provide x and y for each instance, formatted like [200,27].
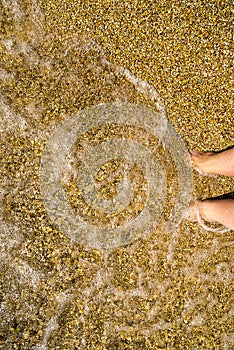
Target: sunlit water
[82,141]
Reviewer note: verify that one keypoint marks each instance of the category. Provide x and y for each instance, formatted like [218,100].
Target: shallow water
[144,278]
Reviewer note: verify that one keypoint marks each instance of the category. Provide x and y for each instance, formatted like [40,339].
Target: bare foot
[201,161]
[195,209]
[221,211]
[219,163]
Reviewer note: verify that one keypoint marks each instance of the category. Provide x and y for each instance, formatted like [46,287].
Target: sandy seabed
[164,289]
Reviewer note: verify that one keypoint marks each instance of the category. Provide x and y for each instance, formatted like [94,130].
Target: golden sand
[171,291]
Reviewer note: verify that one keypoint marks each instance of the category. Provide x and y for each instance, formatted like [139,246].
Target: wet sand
[168,289]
